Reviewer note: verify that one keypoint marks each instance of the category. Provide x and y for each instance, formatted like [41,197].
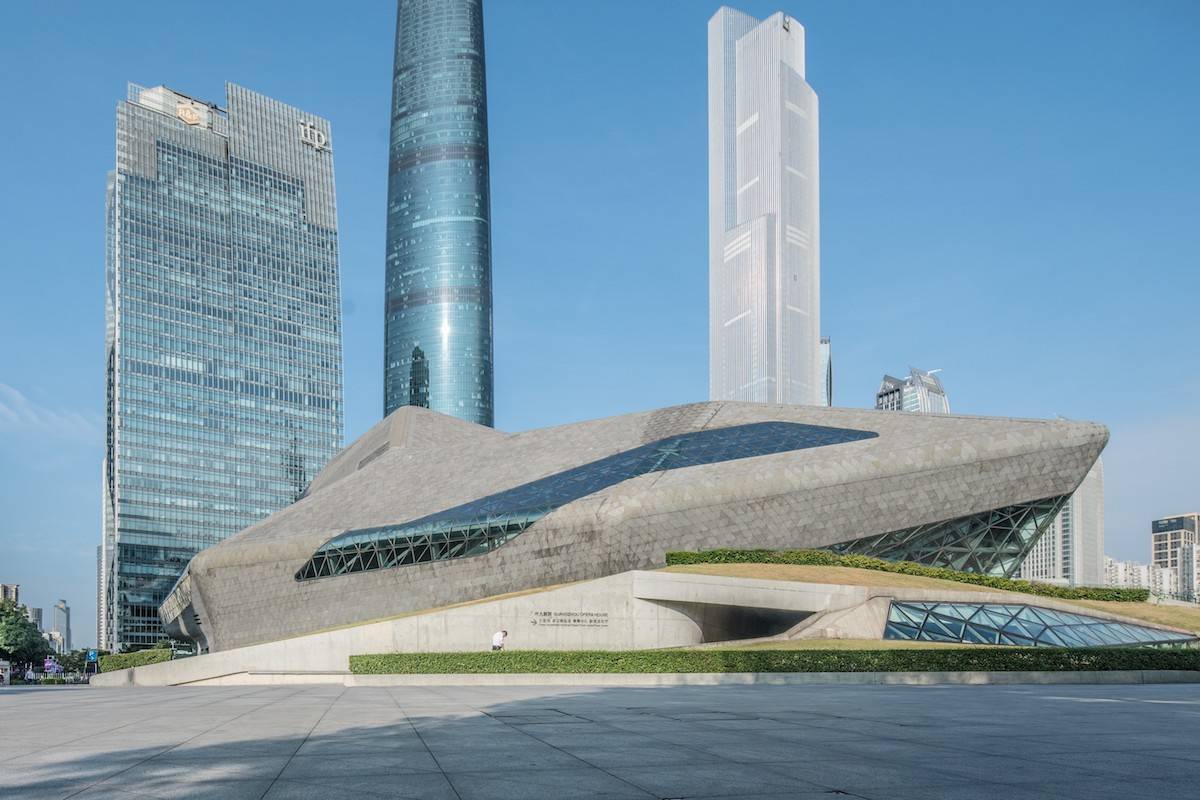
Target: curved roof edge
[407,426]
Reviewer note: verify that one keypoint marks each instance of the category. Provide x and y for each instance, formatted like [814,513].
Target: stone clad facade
[897,473]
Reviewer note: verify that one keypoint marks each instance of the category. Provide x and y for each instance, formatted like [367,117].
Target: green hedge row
[934,660]
[824,558]
[139,658]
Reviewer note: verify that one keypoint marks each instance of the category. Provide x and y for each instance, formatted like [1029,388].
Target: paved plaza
[874,742]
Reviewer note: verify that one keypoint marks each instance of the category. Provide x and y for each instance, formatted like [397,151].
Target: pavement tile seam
[408,718]
[785,734]
[292,757]
[530,736]
[147,759]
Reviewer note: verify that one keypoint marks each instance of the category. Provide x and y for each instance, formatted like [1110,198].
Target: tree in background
[20,640]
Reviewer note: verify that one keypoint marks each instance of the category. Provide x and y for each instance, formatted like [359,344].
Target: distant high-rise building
[1173,549]
[62,624]
[1071,551]
[223,343]
[1168,534]
[10,591]
[827,368]
[763,214]
[35,616]
[920,392]
[438,302]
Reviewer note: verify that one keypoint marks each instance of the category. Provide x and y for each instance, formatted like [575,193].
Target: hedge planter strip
[824,558]
[655,661]
[139,658]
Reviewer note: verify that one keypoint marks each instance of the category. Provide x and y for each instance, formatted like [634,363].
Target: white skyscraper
[764,221]
[1072,550]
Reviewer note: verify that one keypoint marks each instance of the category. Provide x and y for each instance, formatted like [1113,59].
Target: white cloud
[18,414]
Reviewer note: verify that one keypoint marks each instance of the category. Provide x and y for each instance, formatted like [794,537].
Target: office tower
[1169,534]
[438,301]
[827,368]
[62,624]
[224,371]
[35,616]
[764,278]
[921,392]
[1071,551]
[10,591]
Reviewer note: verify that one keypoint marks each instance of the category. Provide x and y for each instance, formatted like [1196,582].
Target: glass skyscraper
[223,344]
[763,216]
[438,304]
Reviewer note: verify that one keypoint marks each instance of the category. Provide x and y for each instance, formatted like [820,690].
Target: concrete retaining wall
[712,679]
[630,611]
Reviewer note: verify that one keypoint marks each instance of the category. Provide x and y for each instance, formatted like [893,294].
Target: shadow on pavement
[533,742]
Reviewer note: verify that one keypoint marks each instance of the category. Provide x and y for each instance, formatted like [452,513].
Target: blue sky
[1009,193]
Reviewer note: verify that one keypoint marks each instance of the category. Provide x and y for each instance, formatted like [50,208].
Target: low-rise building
[1164,581]
[1126,574]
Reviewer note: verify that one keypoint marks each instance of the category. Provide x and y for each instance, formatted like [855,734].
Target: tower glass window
[438,302]
[224,363]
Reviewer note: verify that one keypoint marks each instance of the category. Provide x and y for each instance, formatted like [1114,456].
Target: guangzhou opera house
[425,511]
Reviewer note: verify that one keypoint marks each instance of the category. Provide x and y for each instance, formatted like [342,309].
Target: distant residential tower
[763,215]
[1071,551]
[438,300]
[224,344]
[1175,552]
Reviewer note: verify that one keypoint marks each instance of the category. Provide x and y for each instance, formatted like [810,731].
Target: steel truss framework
[1024,625]
[483,525]
[992,542]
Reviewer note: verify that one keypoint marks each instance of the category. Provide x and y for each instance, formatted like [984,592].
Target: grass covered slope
[964,659]
[807,573]
[1182,617]
[824,558]
[1185,617]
